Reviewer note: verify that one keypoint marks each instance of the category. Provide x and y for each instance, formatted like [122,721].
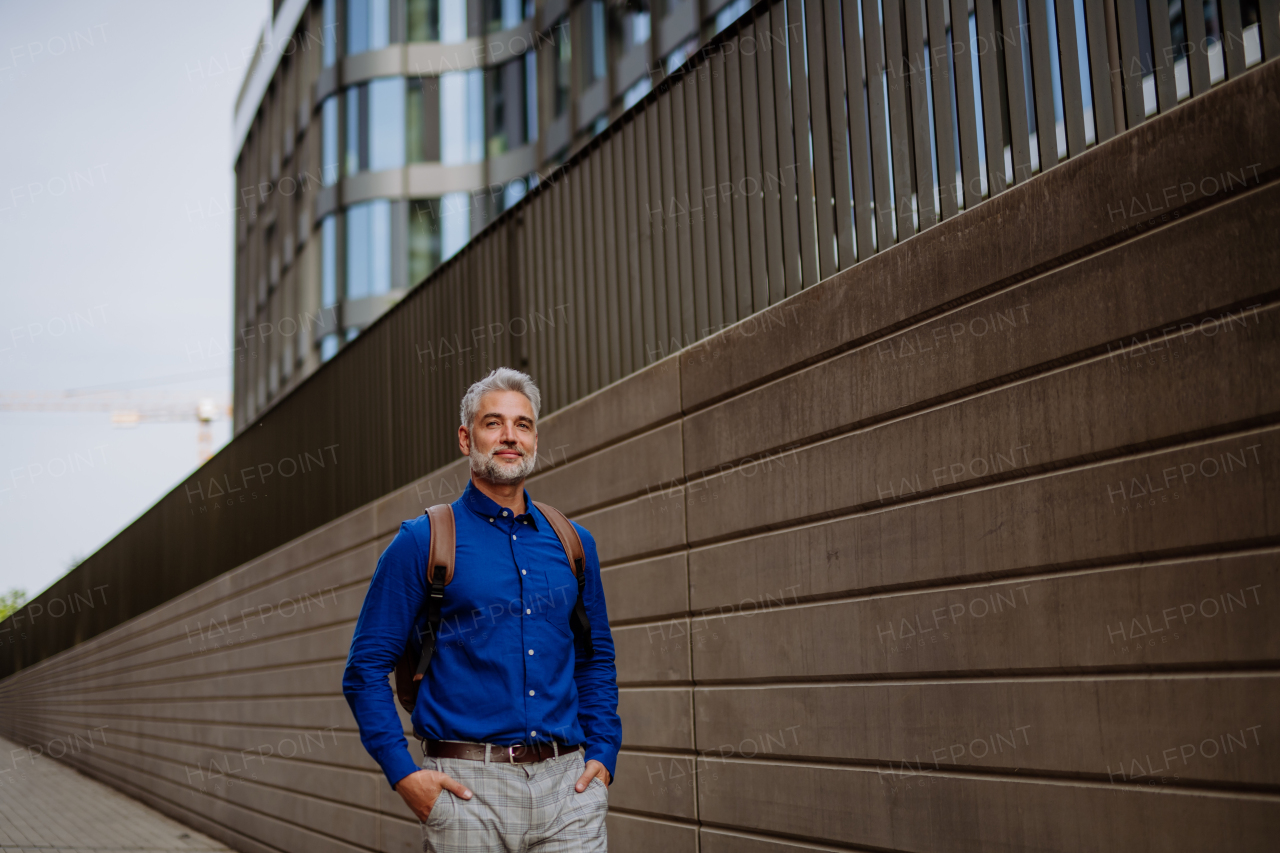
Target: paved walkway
[47,806]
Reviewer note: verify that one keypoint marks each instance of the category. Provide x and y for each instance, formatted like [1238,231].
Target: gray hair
[501,379]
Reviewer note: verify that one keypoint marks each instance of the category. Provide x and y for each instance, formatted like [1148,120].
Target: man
[520,728]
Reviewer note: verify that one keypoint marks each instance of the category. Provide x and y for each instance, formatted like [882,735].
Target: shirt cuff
[399,765]
[606,754]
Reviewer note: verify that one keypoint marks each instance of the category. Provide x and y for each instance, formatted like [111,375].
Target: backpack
[413,664]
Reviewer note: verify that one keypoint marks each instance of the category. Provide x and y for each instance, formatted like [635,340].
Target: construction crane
[128,409]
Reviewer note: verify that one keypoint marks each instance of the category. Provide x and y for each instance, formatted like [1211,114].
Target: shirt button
[523,572]
[491,521]
[504,513]
[530,692]
[528,611]
[533,734]
[530,651]
[513,536]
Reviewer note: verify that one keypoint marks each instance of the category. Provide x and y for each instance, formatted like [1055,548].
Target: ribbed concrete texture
[972,547]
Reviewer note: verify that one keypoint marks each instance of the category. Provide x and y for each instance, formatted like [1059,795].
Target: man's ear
[464,441]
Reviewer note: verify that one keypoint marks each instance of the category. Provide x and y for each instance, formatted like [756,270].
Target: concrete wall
[972,547]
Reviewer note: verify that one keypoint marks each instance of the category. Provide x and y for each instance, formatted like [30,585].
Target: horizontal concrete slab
[1122,292]
[1182,612]
[1176,729]
[656,587]
[977,813]
[656,717]
[1195,497]
[1016,429]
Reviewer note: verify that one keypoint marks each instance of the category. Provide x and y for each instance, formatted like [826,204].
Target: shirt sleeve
[597,677]
[390,608]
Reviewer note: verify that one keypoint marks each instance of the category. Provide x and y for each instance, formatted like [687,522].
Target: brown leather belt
[519,754]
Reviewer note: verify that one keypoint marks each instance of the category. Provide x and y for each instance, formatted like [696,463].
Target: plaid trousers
[516,808]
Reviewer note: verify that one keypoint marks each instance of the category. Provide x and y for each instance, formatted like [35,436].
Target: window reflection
[375,125]
[730,13]
[594,66]
[422,20]
[368,25]
[563,59]
[505,14]
[386,123]
[683,51]
[531,96]
[368,249]
[329,142]
[328,263]
[462,117]
[424,239]
[455,223]
[413,115]
[453,21]
[635,94]
[637,27]
[329,32]
[356,158]
[508,109]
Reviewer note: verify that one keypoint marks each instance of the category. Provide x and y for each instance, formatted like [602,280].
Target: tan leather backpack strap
[572,543]
[443,541]
[568,536]
[439,574]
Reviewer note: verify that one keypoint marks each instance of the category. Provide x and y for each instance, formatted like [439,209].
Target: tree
[11,601]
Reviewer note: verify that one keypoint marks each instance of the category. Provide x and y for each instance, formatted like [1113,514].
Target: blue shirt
[505,669]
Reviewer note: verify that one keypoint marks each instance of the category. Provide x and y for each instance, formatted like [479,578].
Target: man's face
[503,440]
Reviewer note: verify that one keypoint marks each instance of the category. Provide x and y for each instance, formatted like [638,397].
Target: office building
[375,137]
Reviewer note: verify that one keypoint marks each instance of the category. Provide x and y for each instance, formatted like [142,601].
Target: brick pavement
[46,805]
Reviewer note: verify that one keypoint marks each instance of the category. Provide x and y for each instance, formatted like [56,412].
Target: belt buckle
[511,754]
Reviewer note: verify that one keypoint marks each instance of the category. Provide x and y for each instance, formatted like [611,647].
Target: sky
[115,265]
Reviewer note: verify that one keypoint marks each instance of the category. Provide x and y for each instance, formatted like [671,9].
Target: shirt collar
[485,506]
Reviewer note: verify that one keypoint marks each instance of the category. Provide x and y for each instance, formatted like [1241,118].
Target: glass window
[329,33]
[368,25]
[504,14]
[730,13]
[455,223]
[597,67]
[422,20]
[453,21]
[636,92]
[531,96]
[462,117]
[508,122]
[328,347]
[328,263]
[677,57]
[513,192]
[386,123]
[562,60]
[329,142]
[637,27]
[424,239]
[497,106]
[379,24]
[368,249]
[413,121]
[356,158]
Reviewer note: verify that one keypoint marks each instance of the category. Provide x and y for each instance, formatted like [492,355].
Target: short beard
[490,469]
